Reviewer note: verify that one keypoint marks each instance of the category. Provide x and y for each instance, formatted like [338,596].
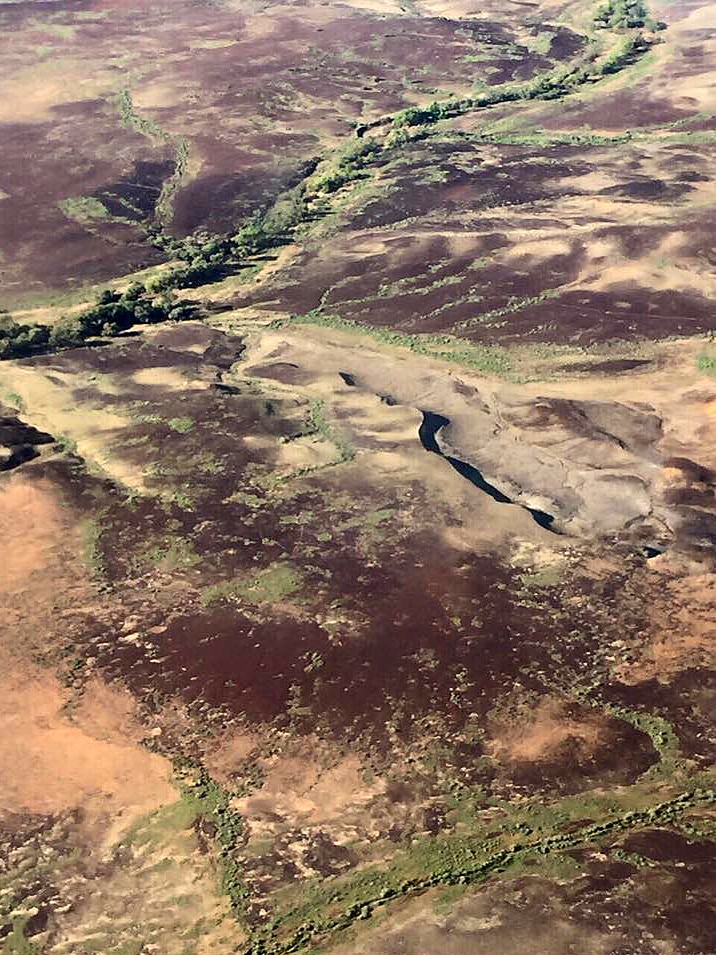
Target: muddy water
[427,432]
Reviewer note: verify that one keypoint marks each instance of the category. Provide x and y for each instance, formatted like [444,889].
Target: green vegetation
[348,166]
[513,305]
[130,117]
[210,258]
[18,340]
[182,499]
[707,364]
[176,555]
[485,358]
[152,130]
[164,208]
[270,585]
[331,906]
[542,43]
[208,463]
[91,539]
[546,577]
[205,799]
[319,423]
[626,14]
[560,82]
[14,400]
[181,425]
[662,735]
[114,312]
[626,51]
[544,138]
[16,943]
[84,209]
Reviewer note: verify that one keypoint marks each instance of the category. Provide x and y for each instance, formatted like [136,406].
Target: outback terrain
[357,477]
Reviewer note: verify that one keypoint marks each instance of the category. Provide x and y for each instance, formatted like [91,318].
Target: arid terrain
[357,478]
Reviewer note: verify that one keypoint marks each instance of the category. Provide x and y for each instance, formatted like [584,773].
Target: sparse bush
[707,364]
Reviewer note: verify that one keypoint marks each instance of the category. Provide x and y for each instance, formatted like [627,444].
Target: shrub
[68,333]
[17,341]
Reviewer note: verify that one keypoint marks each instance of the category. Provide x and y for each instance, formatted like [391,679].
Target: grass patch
[16,943]
[253,501]
[547,577]
[707,364]
[271,585]
[178,555]
[208,463]
[84,209]
[485,358]
[319,424]
[13,400]
[181,425]
[182,499]
[514,305]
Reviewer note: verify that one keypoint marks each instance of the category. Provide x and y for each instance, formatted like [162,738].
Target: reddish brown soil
[562,746]
[282,86]
[41,246]
[461,615]
[446,256]
[407,668]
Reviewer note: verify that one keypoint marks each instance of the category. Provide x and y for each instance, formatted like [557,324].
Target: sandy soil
[346,586]
[76,760]
[315,636]
[57,754]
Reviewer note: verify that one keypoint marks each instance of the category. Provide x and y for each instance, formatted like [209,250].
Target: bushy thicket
[626,14]
[349,167]
[561,82]
[18,340]
[204,258]
[113,313]
[624,53]
[210,258]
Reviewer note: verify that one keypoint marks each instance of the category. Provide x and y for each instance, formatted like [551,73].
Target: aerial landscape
[357,477]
